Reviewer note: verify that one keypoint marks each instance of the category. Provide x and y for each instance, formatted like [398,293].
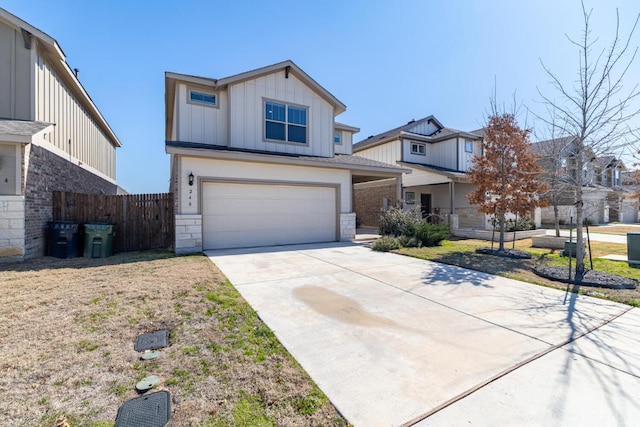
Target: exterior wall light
[191,178]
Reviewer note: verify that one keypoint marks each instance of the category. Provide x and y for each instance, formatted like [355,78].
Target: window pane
[336,138]
[275,131]
[274,111]
[297,115]
[297,134]
[205,98]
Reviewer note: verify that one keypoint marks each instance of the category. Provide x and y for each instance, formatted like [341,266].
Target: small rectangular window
[419,149]
[284,122]
[202,98]
[337,138]
[468,146]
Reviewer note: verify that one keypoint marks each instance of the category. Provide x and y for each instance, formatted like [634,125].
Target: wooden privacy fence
[142,221]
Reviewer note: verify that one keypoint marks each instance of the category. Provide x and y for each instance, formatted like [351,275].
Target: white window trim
[410,197]
[334,137]
[468,143]
[200,103]
[418,153]
[286,123]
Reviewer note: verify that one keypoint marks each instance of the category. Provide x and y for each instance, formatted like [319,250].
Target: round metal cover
[148,355]
[147,383]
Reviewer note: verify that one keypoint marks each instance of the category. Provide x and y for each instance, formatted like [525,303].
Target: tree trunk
[579,217]
[501,247]
[556,216]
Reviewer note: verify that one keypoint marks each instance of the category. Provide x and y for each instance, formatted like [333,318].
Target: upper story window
[203,98]
[419,149]
[285,122]
[468,146]
[337,137]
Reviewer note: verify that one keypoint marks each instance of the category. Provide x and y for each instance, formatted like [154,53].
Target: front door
[425,203]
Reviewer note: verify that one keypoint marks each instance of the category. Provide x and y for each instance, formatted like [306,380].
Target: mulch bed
[507,253]
[590,278]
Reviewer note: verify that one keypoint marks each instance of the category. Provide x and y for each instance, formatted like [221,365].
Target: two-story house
[438,158]
[257,159]
[52,137]
[604,198]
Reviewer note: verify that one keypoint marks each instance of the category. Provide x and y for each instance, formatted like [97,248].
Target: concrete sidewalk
[398,341]
[595,237]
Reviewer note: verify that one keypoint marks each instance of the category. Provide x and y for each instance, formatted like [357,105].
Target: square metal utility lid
[152,340]
[152,410]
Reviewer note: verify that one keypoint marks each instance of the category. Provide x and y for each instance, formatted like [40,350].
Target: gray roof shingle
[440,135]
[21,127]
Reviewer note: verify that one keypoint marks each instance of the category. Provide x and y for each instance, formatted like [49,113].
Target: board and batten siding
[443,153]
[466,159]
[201,123]
[389,152]
[246,122]
[424,128]
[188,198]
[56,104]
[15,75]
[346,145]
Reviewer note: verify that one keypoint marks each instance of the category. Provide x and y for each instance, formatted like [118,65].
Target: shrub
[524,223]
[385,244]
[394,219]
[409,242]
[427,234]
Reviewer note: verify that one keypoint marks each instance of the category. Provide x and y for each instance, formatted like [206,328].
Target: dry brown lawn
[67,330]
[619,229]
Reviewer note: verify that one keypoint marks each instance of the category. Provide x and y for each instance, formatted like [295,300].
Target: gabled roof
[288,66]
[441,134]
[58,61]
[554,147]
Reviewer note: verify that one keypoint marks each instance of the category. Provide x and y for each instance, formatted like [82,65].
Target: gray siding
[15,75]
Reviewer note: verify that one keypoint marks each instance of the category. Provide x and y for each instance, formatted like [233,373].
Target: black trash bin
[98,240]
[63,239]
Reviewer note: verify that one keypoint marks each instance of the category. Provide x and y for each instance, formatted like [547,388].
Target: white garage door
[238,215]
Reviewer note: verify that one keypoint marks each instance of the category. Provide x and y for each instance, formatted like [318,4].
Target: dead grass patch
[68,329]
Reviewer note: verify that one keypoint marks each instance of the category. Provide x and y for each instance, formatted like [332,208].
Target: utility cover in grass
[152,410]
[152,340]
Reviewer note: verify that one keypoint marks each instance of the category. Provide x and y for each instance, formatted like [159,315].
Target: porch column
[452,193]
[398,189]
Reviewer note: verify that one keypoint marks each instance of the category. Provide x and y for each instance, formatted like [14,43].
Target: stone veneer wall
[11,227]
[44,173]
[347,226]
[188,234]
[369,202]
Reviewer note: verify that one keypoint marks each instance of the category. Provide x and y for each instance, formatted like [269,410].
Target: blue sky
[389,62]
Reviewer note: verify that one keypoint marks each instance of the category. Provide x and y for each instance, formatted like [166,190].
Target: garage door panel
[245,215]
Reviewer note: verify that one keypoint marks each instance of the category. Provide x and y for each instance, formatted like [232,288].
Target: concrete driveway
[397,341]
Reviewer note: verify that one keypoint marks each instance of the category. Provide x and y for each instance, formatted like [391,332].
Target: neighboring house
[52,137]
[438,158]
[603,193]
[257,159]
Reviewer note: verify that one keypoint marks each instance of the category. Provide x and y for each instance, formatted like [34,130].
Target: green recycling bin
[98,240]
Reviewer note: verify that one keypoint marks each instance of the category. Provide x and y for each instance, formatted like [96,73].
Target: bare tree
[595,109]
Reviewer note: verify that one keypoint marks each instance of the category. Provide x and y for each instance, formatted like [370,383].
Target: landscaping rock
[591,278]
